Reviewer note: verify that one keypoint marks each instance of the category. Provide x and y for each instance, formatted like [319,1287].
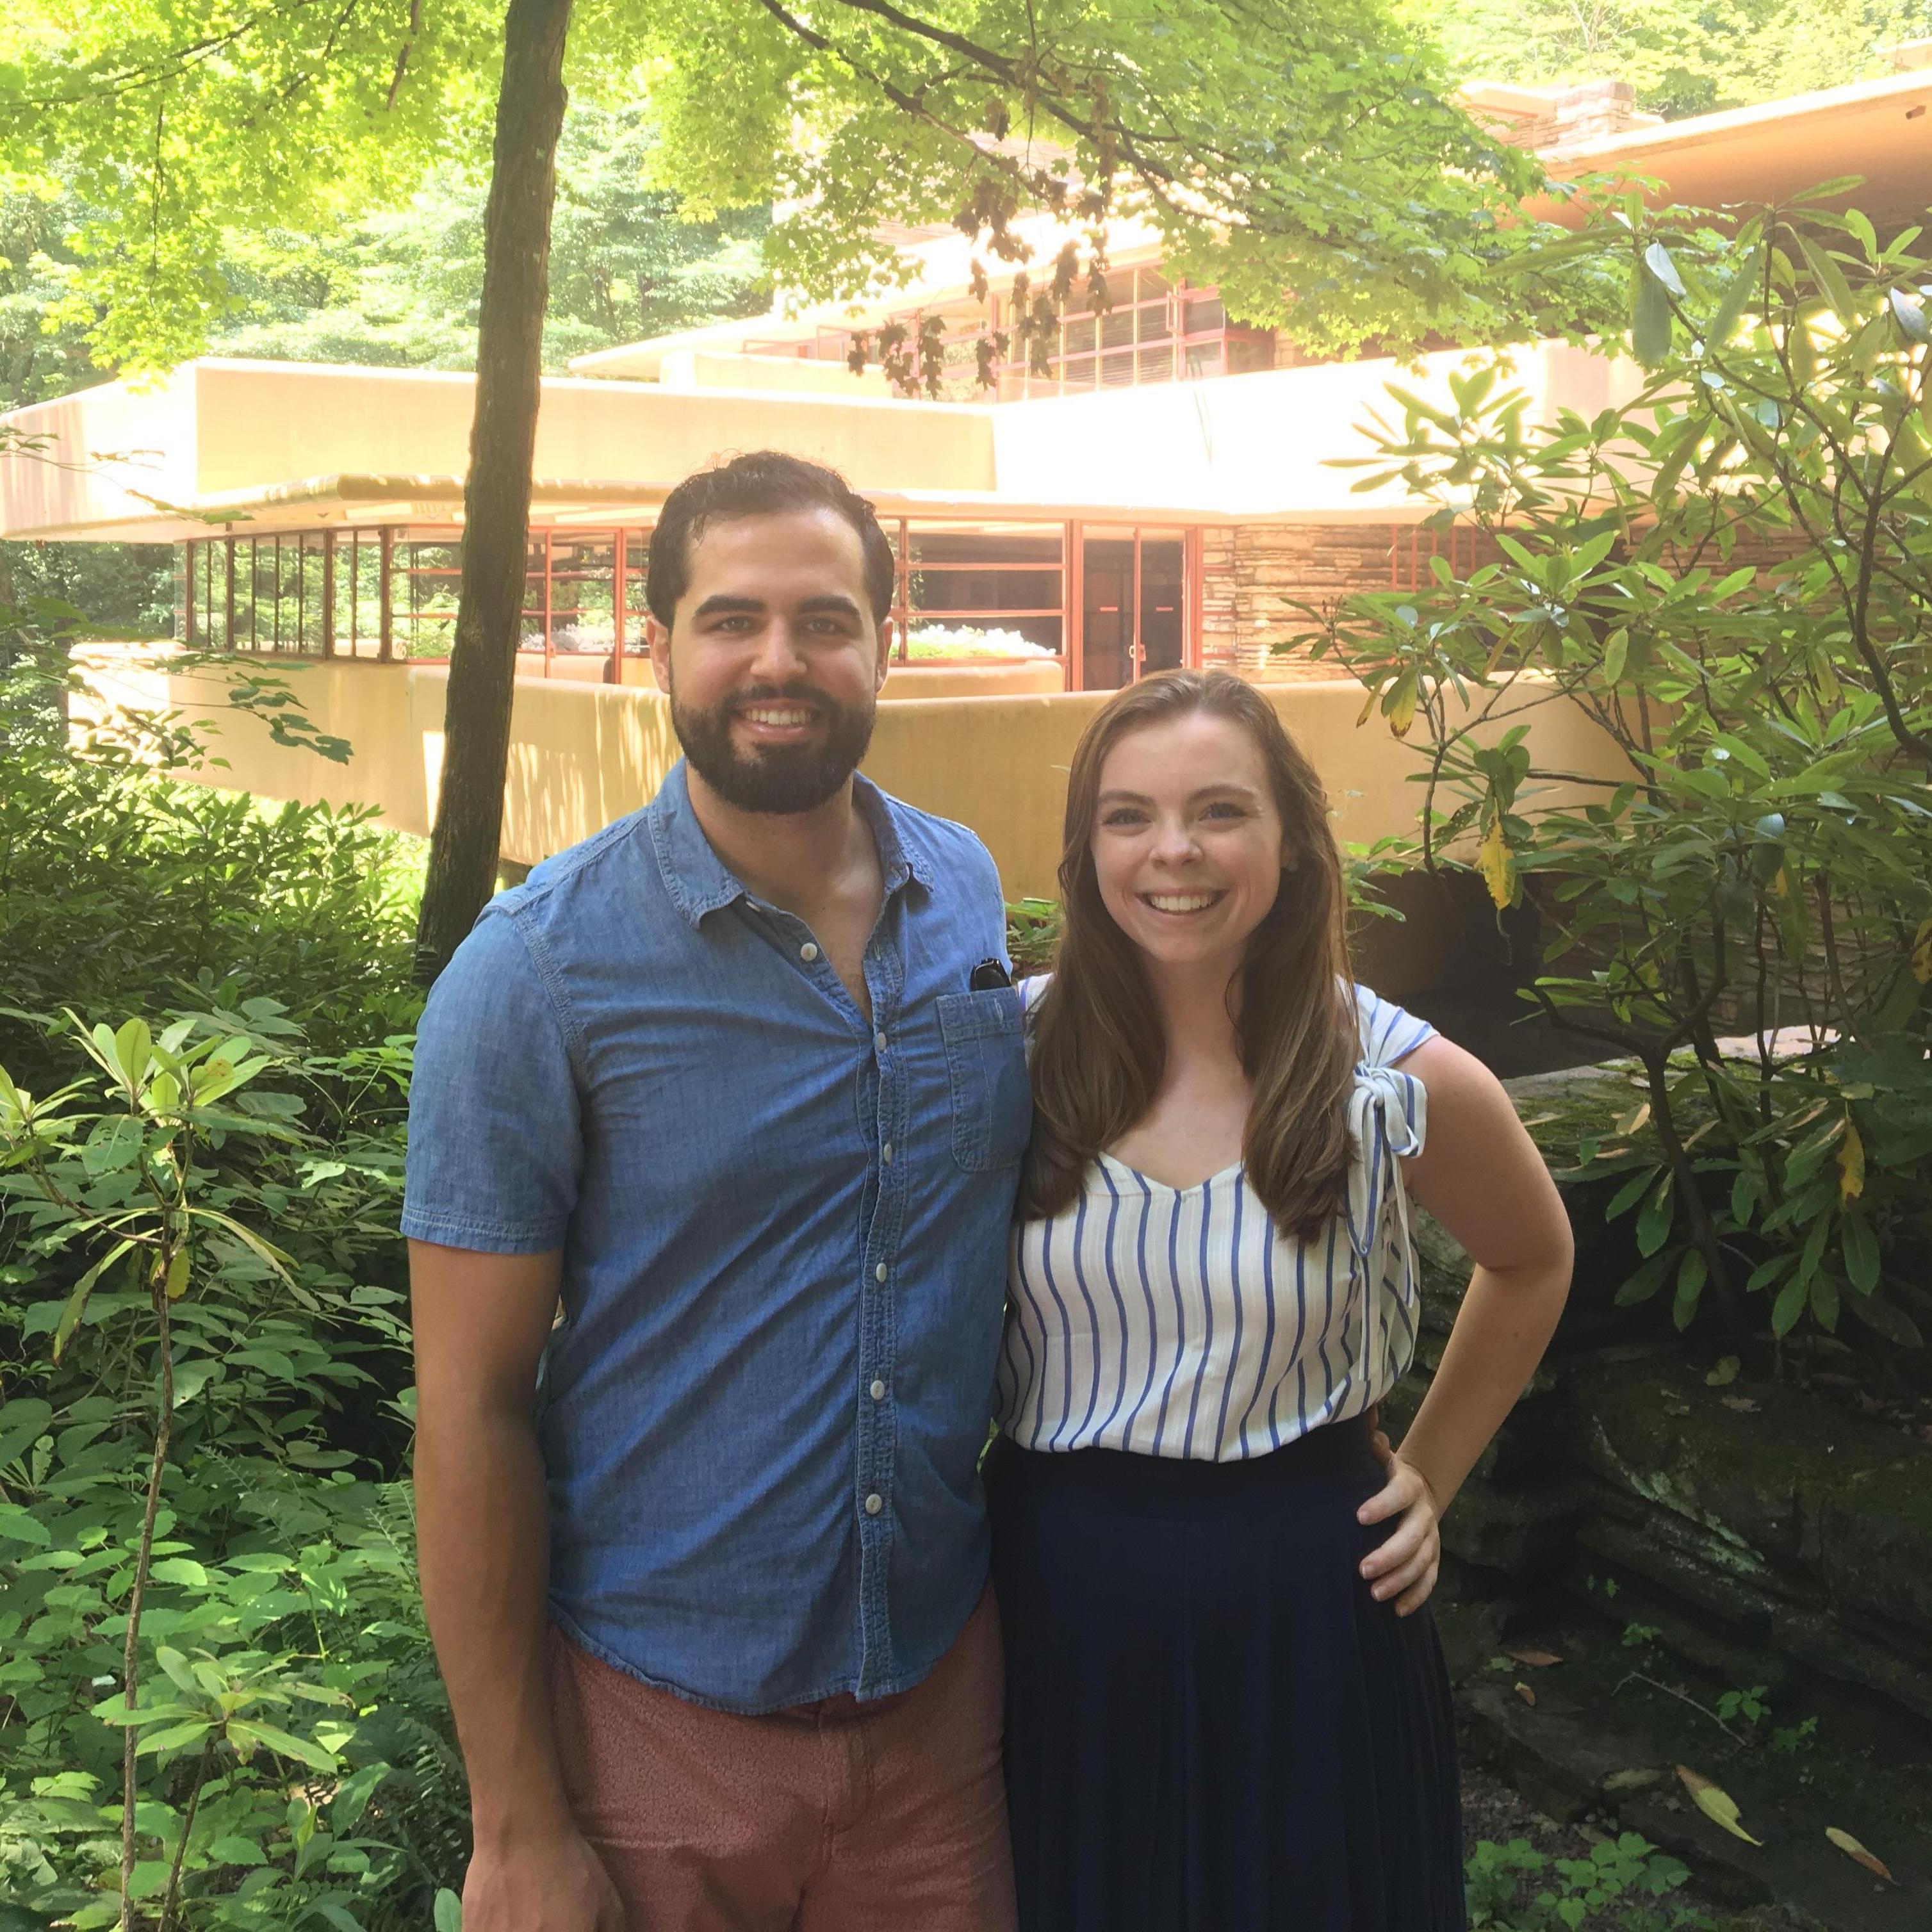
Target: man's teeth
[769,714]
[1181,902]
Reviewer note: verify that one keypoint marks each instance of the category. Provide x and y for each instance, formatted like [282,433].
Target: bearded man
[714,1138]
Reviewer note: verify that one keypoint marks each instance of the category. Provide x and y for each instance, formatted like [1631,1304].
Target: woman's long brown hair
[1100,1045]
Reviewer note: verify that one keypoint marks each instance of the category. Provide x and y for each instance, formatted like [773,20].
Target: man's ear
[885,663]
[658,637]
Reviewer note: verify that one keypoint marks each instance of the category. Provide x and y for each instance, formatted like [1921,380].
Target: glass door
[1133,606]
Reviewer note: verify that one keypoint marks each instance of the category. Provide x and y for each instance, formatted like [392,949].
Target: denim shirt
[784,1233]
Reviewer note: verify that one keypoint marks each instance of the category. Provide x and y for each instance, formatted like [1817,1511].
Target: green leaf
[353,1795]
[283,1744]
[449,1912]
[1741,287]
[17,1526]
[1785,1311]
[1825,1302]
[1650,320]
[180,1569]
[1859,1246]
[113,1143]
[22,1423]
[1656,260]
[1909,317]
[76,1302]
[1829,276]
[1690,1275]
[1653,1225]
[1645,1282]
[133,1046]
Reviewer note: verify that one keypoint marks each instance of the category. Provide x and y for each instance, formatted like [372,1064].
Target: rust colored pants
[838,1817]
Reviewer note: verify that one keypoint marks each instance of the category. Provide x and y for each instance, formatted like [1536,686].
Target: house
[1164,493]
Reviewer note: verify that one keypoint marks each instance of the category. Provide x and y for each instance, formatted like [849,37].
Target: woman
[1227,1708]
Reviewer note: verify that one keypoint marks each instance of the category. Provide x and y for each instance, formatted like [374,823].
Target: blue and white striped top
[1178,1322]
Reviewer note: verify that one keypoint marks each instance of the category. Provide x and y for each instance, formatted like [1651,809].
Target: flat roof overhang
[346,503]
[1878,130]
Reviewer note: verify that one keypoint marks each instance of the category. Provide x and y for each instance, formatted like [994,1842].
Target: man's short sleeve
[495,1140]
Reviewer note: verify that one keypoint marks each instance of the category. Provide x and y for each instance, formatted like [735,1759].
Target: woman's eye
[1123,821]
[1224,810]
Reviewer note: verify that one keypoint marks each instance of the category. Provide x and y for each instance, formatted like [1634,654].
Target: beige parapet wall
[583,755]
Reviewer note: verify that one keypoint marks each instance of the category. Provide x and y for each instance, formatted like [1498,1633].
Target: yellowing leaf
[1537,1659]
[1724,1374]
[177,1283]
[1528,1696]
[1632,1780]
[1922,954]
[1401,704]
[1851,1163]
[1781,883]
[1852,1848]
[1492,861]
[1716,1804]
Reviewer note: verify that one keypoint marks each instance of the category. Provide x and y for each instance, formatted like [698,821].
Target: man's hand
[1405,1567]
[550,1882]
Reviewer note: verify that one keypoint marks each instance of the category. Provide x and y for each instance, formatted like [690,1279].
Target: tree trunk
[496,493]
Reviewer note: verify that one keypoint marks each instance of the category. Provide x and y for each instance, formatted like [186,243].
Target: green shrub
[122,885]
[1730,576]
[1625,1883]
[210,1600]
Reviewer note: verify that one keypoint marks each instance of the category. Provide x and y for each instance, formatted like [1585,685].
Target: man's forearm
[483,1527]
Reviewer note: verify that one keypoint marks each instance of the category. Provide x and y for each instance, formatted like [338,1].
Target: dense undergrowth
[204,1370]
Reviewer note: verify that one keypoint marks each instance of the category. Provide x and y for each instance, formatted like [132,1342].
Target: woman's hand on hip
[1404,1567]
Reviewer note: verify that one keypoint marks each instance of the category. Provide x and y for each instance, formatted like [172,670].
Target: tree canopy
[1680,60]
[1307,159]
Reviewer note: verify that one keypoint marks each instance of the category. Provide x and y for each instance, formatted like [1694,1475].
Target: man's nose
[779,658]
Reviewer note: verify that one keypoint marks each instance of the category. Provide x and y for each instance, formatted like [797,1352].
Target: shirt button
[874,1503]
[879,1273]
[808,952]
[878,1391]
[878,1042]
[885,1153]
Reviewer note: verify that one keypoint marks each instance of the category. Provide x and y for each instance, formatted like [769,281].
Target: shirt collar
[699,882]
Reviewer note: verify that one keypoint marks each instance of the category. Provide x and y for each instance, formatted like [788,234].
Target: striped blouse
[1178,1322]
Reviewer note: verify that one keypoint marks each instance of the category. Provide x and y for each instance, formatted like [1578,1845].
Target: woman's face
[1188,844]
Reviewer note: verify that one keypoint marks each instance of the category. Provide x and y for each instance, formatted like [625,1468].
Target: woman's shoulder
[1388,1031]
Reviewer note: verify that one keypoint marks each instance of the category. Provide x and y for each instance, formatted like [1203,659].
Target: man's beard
[780,778]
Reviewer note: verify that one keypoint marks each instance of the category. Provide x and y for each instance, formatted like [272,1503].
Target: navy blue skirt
[1211,1726]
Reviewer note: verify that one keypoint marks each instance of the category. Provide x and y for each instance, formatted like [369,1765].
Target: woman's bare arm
[1480,1175]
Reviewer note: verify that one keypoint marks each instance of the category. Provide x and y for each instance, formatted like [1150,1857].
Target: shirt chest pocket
[986,1072]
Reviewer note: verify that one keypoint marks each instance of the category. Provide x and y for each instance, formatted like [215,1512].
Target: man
[740,1082]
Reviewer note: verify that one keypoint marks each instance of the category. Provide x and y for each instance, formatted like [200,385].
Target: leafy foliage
[402,288]
[1729,575]
[118,884]
[1680,62]
[1273,150]
[207,1589]
[1625,1882]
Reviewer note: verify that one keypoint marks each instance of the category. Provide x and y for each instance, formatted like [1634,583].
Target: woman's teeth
[1180,901]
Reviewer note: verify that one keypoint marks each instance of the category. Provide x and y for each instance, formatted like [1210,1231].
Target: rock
[1796,1486]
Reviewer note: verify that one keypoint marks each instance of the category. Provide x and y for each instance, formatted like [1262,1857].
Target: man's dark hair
[764,483]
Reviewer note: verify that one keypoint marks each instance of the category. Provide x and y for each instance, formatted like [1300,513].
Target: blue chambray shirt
[784,1235]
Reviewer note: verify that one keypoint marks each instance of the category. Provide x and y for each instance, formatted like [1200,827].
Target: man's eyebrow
[719,605]
[833,600]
